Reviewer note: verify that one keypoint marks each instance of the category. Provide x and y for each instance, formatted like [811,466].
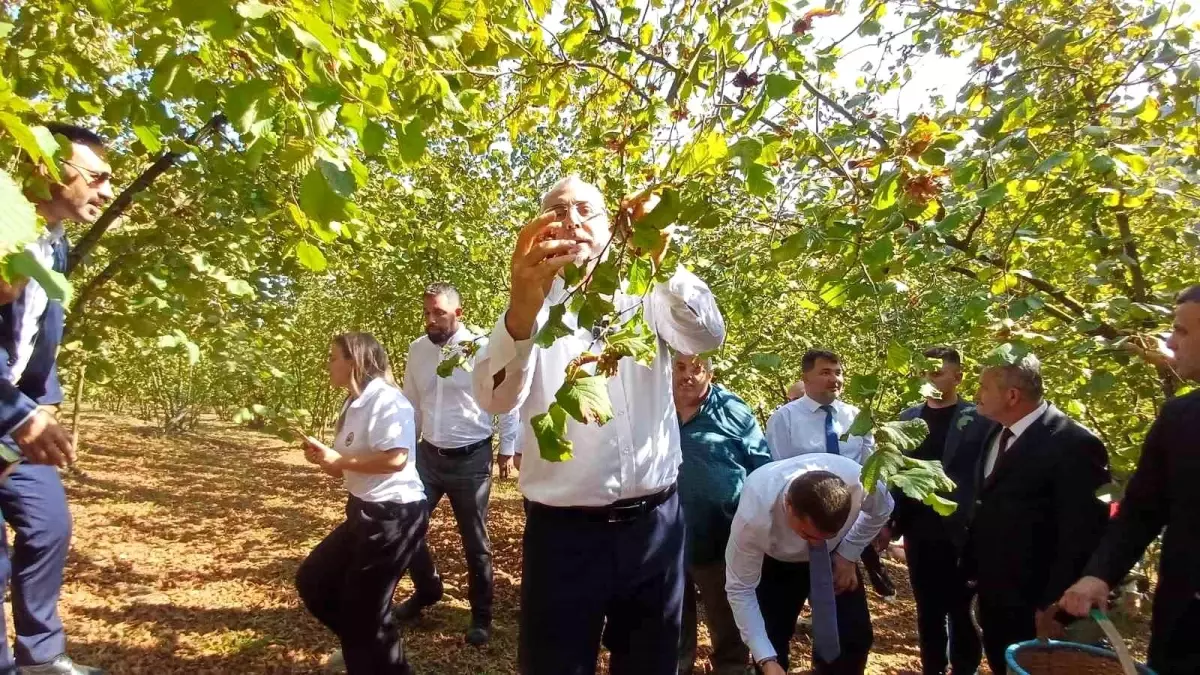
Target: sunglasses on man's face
[92,177]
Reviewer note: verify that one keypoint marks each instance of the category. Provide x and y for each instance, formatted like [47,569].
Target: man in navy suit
[32,500]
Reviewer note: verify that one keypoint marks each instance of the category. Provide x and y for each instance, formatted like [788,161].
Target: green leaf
[635,339]
[639,277]
[899,357]
[253,9]
[239,287]
[378,56]
[310,256]
[18,218]
[318,200]
[36,141]
[1055,160]
[992,196]
[663,213]
[904,436]
[879,253]
[340,180]
[703,152]
[586,399]
[780,87]
[106,9]
[242,104]
[148,137]
[554,327]
[941,505]
[886,190]
[25,264]
[412,141]
[863,423]
[550,430]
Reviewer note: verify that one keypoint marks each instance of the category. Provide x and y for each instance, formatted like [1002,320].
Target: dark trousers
[880,581]
[34,505]
[348,580]
[584,581]
[946,633]
[467,482]
[1177,650]
[1003,623]
[730,655]
[783,590]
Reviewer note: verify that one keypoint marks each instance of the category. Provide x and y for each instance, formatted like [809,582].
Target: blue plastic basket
[1014,651]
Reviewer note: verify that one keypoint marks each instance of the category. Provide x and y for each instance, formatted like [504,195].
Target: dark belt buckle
[624,514]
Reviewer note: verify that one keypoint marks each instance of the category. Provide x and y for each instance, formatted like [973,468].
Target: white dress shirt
[1017,429]
[380,419]
[637,452]
[36,302]
[798,428]
[447,414]
[760,529]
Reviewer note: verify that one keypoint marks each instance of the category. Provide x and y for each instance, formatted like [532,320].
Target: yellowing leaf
[586,399]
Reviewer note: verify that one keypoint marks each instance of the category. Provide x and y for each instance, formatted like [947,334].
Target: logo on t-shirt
[349,438]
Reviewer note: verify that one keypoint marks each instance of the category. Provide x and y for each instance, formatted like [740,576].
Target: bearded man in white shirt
[454,456]
[800,527]
[603,544]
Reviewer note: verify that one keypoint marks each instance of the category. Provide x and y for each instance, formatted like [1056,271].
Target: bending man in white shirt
[603,544]
[454,457]
[799,530]
[815,422]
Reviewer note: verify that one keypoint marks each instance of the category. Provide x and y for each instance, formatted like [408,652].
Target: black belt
[621,511]
[458,452]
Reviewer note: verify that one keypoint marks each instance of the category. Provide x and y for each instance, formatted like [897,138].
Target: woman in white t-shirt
[348,580]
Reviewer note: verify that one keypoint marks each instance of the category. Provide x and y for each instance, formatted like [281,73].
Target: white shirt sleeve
[876,508]
[510,428]
[391,424]
[779,435]
[683,312]
[505,355]
[748,542]
[412,391]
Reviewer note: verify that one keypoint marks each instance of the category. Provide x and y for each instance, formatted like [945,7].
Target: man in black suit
[1036,518]
[933,544]
[1161,494]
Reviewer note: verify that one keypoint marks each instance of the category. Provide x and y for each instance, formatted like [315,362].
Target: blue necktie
[831,437]
[824,607]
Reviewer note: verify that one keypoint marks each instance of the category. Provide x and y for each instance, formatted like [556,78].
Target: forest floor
[185,548]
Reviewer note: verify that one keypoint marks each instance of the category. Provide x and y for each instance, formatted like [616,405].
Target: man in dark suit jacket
[1161,494]
[933,544]
[32,500]
[1036,518]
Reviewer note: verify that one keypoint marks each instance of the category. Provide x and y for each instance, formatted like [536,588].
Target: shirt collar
[368,392]
[1025,422]
[54,232]
[812,406]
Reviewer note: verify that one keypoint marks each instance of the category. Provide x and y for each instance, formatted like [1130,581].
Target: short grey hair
[706,361]
[1024,375]
[443,288]
[580,185]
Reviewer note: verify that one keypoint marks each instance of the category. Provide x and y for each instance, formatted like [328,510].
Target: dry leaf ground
[185,548]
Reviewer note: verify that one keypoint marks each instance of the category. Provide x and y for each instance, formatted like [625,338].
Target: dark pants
[34,505]
[1003,623]
[880,581]
[348,580]
[730,655]
[783,590]
[467,482]
[1177,650]
[584,581]
[943,598]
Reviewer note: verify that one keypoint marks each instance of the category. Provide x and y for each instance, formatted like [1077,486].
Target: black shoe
[411,608]
[479,633]
[59,665]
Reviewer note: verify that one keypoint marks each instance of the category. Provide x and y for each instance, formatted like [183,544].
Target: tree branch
[1134,261]
[851,117]
[165,161]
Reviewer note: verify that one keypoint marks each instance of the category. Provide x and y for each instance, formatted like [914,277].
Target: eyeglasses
[585,210]
[92,177]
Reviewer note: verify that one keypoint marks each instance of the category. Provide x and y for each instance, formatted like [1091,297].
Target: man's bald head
[579,191]
[796,390]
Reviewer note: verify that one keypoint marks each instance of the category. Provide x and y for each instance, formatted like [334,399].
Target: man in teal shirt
[722,443]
